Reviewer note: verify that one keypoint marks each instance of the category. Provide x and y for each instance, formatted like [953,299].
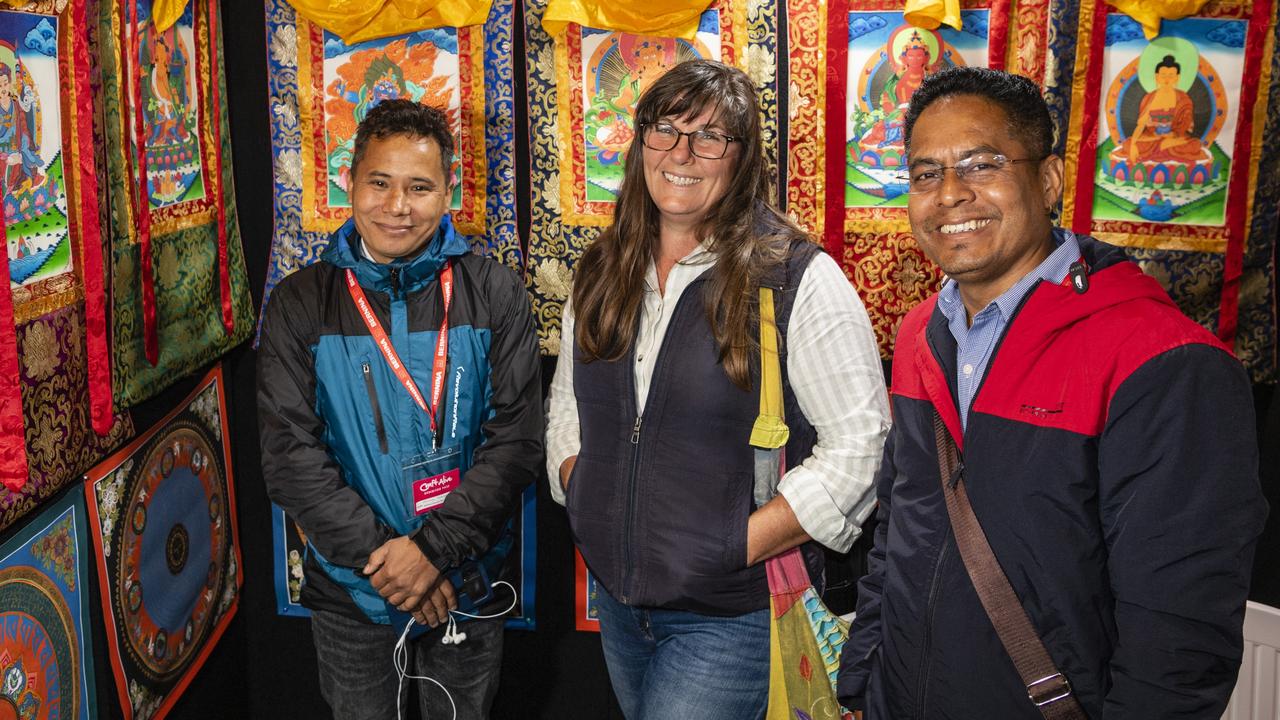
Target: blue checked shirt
[975,342]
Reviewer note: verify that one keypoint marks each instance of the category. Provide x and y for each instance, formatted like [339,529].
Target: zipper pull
[395,281]
[635,432]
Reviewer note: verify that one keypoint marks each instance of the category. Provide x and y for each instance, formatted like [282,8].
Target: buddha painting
[31,175]
[170,113]
[1159,154]
[1165,122]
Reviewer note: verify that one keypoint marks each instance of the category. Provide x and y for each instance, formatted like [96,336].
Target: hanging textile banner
[163,519]
[356,21]
[321,88]
[289,547]
[583,85]
[179,296]
[46,645]
[854,65]
[586,616]
[55,386]
[1165,157]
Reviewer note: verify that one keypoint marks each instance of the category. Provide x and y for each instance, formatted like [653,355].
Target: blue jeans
[358,679]
[676,665]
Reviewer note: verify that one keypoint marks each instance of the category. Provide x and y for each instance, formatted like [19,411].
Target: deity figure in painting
[18,145]
[399,69]
[1164,130]
[911,66]
[892,78]
[645,60]
[169,92]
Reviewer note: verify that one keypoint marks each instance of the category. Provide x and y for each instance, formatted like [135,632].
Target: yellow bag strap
[770,430]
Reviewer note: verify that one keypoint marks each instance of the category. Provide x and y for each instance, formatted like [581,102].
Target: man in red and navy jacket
[1108,448]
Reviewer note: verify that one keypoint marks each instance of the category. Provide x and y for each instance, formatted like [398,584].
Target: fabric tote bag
[805,637]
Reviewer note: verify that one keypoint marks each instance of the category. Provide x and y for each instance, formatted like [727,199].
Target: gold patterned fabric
[61,443]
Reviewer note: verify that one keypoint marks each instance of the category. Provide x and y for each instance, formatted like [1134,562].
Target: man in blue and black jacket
[401,417]
[1106,442]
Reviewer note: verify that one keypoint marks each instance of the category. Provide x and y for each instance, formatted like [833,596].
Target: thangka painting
[854,65]
[54,376]
[1165,157]
[321,88]
[583,86]
[179,295]
[586,616]
[289,547]
[162,515]
[605,72]
[888,59]
[46,645]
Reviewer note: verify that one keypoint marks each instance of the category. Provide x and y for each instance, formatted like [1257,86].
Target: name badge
[429,478]
[429,492]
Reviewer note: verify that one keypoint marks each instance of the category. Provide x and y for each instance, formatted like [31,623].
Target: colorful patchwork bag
[805,637]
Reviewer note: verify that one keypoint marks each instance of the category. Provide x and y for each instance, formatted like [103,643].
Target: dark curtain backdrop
[264,667]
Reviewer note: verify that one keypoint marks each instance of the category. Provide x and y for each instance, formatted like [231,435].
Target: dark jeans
[358,679]
[678,665]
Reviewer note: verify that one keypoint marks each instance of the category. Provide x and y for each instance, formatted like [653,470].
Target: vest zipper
[377,410]
[631,509]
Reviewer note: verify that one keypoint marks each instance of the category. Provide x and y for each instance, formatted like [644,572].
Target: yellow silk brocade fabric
[1149,13]
[164,13]
[929,14]
[663,18]
[356,21]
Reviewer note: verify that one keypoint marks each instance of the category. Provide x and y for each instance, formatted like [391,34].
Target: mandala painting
[46,653]
[162,512]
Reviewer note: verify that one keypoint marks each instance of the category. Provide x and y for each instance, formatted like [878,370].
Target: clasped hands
[408,580]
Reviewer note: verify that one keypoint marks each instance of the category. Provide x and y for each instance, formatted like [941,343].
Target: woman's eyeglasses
[707,144]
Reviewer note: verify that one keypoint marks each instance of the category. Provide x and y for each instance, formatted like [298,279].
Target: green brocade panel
[187,139]
[188,310]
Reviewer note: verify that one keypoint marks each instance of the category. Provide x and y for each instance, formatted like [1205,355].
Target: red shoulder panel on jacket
[1065,354]
[906,381]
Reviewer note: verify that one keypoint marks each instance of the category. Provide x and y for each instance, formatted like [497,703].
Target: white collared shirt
[834,369]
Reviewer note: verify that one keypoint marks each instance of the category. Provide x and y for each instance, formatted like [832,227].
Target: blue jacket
[1110,457]
[336,425]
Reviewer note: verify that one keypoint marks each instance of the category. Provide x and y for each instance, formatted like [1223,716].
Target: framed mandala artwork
[162,516]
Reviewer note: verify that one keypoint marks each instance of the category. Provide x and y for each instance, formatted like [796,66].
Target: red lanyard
[438,363]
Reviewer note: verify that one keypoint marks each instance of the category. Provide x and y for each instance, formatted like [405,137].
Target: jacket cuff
[442,561]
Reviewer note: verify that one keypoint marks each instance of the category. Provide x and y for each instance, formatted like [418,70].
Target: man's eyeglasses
[707,144]
[978,169]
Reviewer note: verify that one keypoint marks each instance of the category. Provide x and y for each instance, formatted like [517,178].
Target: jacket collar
[1046,310]
[414,274]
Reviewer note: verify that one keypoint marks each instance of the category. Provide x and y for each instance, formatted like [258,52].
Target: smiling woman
[660,477]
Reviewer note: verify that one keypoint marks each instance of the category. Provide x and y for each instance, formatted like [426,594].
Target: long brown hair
[747,235]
